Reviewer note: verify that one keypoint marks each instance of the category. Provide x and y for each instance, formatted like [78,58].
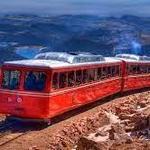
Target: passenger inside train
[30,81]
[35,81]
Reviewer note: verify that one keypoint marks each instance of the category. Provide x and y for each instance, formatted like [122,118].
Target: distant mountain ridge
[106,36]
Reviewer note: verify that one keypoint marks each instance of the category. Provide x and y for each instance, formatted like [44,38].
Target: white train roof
[70,58]
[133,58]
[56,60]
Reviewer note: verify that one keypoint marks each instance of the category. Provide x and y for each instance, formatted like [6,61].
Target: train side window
[128,69]
[104,72]
[79,79]
[138,69]
[35,81]
[85,76]
[62,80]
[143,69]
[109,72]
[91,75]
[99,73]
[148,69]
[96,74]
[133,69]
[146,66]
[117,71]
[71,78]
[11,79]
[113,71]
[55,83]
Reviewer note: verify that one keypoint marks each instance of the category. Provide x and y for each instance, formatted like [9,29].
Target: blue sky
[94,7]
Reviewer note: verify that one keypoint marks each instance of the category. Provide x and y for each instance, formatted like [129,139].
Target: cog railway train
[53,83]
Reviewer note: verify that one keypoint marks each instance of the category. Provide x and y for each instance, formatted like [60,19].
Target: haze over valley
[33,26]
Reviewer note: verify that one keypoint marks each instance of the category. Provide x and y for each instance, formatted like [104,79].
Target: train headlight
[19,100]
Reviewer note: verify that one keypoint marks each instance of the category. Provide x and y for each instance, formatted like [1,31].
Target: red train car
[137,72]
[54,83]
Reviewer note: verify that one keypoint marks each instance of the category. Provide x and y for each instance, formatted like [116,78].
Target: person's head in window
[31,75]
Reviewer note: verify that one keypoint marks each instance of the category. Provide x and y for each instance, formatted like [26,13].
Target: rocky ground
[128,128]
[123,123]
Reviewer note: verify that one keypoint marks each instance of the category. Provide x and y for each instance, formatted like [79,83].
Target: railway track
[10,137]
[8,133]
[11,130]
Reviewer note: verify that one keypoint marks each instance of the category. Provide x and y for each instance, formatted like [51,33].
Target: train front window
[11,79]
[35,81]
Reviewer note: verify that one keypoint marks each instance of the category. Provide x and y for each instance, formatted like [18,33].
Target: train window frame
[32,89]
[91,72]
[73,83]
[144,68]
[57,81]
[139,69]
[84,75]
[109,73]
[132,69]
[148,69]
[118,70]
[114,71]
[9,82]
[78,83]
[99,76]
[104,76]
[65,85]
